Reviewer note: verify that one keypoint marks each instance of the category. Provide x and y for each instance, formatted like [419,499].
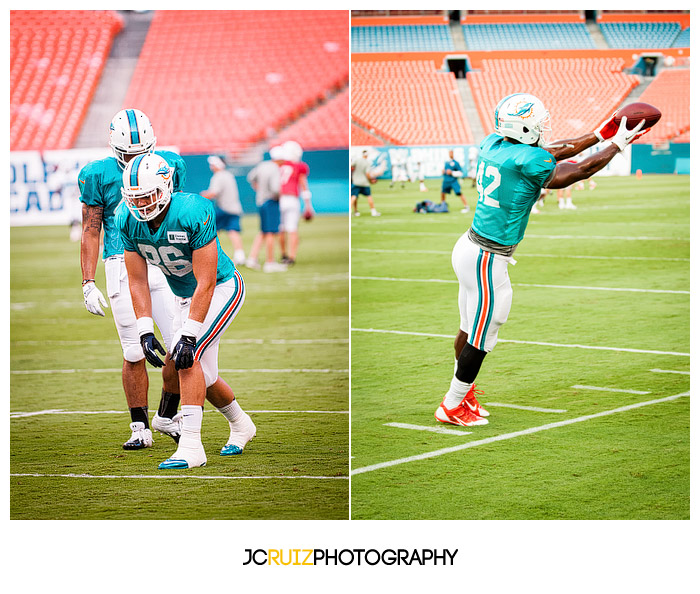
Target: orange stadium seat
[579,92]
[324,127]
[205,89]
[670,92]
[360,137]
[409,102]
[56,59]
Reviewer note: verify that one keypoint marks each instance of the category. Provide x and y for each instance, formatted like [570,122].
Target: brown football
[636,112]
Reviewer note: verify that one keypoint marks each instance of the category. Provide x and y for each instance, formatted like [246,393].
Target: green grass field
[285,355]
[590,453]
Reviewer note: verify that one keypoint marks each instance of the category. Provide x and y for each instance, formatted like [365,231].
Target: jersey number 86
[167,258]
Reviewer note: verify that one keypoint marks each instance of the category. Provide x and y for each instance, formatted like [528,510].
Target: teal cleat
[231,450]
[174,463]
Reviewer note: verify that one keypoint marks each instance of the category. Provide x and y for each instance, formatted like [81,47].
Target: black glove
[150,344]
[184,352]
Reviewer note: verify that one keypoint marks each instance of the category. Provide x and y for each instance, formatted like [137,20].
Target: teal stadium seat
[640,35]
[402,38]
[536,36]
[683,39]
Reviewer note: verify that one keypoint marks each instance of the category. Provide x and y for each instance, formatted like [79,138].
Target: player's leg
[166,420]
[462,197]
[134,375]
[373,211]
[289,223]
[252,260]
[234,234]
[226,303]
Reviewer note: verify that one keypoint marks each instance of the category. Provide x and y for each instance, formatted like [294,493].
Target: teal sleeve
[121,221]
[202,224]
[179,169]
[89,185]
[539,167]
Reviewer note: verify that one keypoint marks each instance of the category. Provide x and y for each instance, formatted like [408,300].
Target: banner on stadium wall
[44,185]
[431,159]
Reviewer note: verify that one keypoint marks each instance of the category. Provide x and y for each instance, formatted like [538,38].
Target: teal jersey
[509,179]
[452,165]
[189,224]
[100,184]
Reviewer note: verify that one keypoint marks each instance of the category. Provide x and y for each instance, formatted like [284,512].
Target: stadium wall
[647,158]
[44,185]
[476,58]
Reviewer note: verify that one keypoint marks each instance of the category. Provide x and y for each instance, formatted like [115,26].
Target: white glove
[93,299]
[623,137]
[457,174]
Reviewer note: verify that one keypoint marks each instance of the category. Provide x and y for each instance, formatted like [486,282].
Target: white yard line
[670,371]
[438,429]
[532,408]
[549,344]
[575,287]
[222,341]
[58,411]
[602,389]
[530,236]
[173,476]
[505,436]
[118,370]
[526,255]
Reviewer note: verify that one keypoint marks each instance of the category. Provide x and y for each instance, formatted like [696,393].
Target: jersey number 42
[486,193]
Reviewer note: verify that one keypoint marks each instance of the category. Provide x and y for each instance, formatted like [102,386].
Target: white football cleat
[140,437]
[252,264]
[171,427]
[465,210]
[241,433]
[185,458]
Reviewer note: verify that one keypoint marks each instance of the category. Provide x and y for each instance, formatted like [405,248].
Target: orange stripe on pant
[229,310]
[485,299]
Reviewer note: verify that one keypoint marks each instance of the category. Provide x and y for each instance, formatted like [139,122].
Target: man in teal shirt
[100,183]
[514,164]
[176,232]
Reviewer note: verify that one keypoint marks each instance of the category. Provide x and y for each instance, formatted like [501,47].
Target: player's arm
[305,195]
[204,264]
[137,271]
[566,173]
[89,253]
[565,149]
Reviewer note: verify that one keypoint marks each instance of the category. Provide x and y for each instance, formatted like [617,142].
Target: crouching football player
[177,233]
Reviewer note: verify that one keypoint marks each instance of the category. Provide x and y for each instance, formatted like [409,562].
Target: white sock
[374,211]
[239,255]
[458,390]
[191,436]
[232,411]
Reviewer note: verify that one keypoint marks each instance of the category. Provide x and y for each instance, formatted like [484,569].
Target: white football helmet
[523,117]
[148,185]
[293,151]
[131,133]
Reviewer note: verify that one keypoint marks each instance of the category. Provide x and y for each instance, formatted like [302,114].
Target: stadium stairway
[597,36]
[471,111]
[116,76]
[458,37]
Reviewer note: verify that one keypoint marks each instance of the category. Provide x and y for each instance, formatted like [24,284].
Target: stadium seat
[640,35]
[670,92]
[409,102]
[56,59]
[507,36]
[578,92]
[360,137]
[402,38]
[324,127]
[205,89]
[683,39]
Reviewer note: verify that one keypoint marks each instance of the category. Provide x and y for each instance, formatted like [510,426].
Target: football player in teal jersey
[100,183]
[451,174]
[514,165]
[177,233]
